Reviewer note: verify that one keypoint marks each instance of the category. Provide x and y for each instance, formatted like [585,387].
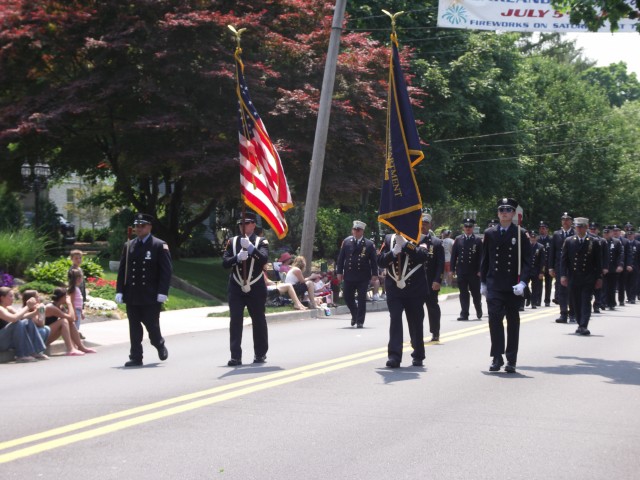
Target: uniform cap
[628,226]
[615,227]
[581,222]
[593,225]
[606,229]
[468,222]
[543,224]
[566,215]
[426,217]
[249,217]
[533,233]
[507,202]
[492,222]
[142,219]
[359,225]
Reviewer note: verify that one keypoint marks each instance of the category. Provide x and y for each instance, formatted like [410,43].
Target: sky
[607,48]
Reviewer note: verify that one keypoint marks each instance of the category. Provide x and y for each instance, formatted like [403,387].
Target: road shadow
[141,367]
[620,372]
[393,375]
[503,374]
[249,368]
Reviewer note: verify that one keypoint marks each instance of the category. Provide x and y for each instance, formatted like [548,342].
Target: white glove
[483,289]
[400,240]
[244,243]
[162,298]
[519,289]
[397,248]
[242,255]
[118,298]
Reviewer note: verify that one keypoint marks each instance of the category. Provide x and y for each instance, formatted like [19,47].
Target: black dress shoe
[163,353]
[555,301]
[435,338]
[572,319]
[528,302]
[496,364]
[511,367]
[585,331]
[133,363]
[353,322]
[521,309]
[547,304]
[234,362]
[479,314]
[533,306]
[360,325]
[561,320]
[393,364]
[417,363]
[260,359]
[632,302]
[596,310]
[579,330]
[463,319]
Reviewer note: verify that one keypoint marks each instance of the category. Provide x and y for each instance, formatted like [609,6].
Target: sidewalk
[175,322]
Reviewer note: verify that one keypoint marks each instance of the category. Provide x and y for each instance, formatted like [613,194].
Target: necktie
[502,231]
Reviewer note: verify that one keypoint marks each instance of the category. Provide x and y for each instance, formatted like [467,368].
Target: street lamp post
[36,178]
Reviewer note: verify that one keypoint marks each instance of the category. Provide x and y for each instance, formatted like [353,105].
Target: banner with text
[512,15]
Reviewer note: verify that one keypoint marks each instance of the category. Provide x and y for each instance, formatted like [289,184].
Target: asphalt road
[325,407]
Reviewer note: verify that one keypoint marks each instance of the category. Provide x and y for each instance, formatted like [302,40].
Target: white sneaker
[376,297]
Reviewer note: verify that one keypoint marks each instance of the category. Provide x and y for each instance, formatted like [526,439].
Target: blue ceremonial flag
[400,201]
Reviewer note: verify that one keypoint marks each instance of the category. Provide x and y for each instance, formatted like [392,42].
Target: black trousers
[413,307]
[433,311]
[536,291]
[609,288]
[622,282]
[358,309]
[149,316]
[562,295]
[547,288]
[580,291]
[255,301]
[630,285]
[469,284]
[503,304]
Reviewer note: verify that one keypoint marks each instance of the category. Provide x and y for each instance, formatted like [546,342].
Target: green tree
[620,85]
[594,13]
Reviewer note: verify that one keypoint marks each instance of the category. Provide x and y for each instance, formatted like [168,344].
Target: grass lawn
[204,273]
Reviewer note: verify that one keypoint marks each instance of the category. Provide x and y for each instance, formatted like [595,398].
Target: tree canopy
[595,13]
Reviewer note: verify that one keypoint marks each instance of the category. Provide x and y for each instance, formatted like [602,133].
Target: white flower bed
[96,303]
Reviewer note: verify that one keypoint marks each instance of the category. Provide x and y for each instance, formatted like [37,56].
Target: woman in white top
[299,282]
[283,288]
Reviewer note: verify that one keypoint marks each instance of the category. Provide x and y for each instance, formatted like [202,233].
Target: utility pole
[320,141]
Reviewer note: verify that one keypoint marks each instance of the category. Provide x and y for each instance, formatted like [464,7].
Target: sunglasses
[506,209]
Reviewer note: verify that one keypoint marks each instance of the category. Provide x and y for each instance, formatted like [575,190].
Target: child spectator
[76,279]
[18,332]
[76,261]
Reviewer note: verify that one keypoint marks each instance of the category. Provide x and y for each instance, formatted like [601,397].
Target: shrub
[11,216]
[85,235]
[42,287]
[19,249]
[56,272]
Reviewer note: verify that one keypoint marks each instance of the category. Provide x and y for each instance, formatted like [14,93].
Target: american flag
[262,180]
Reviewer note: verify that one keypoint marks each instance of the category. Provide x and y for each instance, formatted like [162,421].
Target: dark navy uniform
[613,261]
[465,261]
[499,272]
[247,288]
[357,262]
[627,267]
[405,284]
[545,241]
[581,264]
[537,266]
[555,254]
[148,275]
[632,276]
[434,266]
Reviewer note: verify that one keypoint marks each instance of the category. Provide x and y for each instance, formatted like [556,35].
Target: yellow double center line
[95,427]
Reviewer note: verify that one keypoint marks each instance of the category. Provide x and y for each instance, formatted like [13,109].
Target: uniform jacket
[435,258]
[410,261]
[251,271]
[545,241]
[537,259]
[148,273]
[581,261]
[465,255]
[555,249]
[615,255]
[499,265]
[357,260]
[626,255]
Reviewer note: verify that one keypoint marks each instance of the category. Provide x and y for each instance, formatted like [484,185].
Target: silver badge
[513,241]
[148,255]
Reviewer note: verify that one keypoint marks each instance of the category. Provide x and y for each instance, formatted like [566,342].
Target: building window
[71,195]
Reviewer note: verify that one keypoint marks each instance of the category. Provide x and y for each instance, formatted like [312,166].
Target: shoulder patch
[165,246]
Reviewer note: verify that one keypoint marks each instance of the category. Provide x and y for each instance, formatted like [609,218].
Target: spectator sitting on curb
[17,332]
[299,282]
[283,288]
